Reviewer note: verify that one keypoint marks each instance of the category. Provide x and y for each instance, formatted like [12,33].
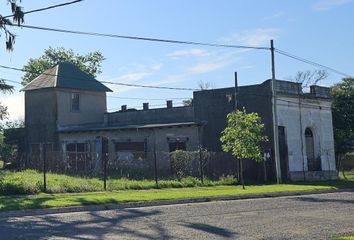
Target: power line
[106,82]
[47,8]
[139,38]
[311,62]
[130,98]
[151,99]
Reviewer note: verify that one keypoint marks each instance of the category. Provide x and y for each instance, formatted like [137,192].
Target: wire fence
[139,165]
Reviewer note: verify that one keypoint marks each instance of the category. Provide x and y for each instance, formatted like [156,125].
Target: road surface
[319,216]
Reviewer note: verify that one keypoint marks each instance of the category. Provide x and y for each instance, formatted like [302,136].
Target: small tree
[242,137]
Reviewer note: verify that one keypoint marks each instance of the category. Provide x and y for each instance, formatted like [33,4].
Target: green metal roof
[66,75]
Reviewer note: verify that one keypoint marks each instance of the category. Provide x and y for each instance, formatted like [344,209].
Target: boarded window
[130,146]
[75,102]
[128,151]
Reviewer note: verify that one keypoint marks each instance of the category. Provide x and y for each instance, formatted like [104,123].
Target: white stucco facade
[297,115]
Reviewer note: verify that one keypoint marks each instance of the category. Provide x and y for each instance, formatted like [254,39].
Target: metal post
[44,169]
[105,156]
[275,119]
[201,164]
[155,166]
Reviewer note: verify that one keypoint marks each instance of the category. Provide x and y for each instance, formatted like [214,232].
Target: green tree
[242,137]
[4,88]
[90,63]
[342,95]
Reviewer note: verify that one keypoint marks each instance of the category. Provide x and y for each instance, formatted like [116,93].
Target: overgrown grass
[346,238]
[78,199]
[31,182]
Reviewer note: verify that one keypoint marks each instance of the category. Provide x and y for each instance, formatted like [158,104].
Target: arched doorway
[312,163]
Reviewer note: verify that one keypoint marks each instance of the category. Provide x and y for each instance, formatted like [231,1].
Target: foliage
[3,112]
[18,18]
[90,63]
[243,135]
[187,163]
[342,95]
[182,162]
[31,182]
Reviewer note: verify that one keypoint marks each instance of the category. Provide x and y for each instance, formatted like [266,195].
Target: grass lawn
[21,190]
[345,238]
[76,199]
[31,182]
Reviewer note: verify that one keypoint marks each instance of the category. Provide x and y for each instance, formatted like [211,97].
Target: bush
[227,180]
[183,163]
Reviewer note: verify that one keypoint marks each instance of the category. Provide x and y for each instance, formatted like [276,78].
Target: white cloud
[194,52]
[276,15]
[15,105]
[323,5]
[256,38]
[136,73]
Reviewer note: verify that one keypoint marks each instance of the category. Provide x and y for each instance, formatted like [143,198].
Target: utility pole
[275,119]
[238,161]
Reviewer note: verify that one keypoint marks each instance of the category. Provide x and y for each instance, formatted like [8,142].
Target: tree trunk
[241,173]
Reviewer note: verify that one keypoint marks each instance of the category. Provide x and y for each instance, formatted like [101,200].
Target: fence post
[155,166]
[44,170]
[201,163]
[105,171]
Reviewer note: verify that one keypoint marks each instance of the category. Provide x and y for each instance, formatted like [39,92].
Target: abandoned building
[65,112]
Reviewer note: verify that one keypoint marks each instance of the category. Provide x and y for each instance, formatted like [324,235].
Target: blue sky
[319,30]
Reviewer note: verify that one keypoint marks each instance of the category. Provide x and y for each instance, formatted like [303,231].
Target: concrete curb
[112,206]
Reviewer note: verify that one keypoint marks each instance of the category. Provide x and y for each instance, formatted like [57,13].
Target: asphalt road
[321,216]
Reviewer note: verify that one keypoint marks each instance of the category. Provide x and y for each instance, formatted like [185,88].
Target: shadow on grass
[339,184]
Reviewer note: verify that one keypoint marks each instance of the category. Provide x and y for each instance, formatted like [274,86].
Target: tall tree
[90,63]
[242,137]
[342,95]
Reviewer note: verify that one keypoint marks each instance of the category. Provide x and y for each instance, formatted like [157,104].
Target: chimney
[169,104]
[124,108]
[146,106]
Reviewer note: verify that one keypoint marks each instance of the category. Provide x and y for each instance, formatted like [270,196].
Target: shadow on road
[221,232]
[324,200]
[91,225]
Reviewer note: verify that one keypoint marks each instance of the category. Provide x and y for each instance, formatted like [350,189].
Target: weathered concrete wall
[92,107]
[40,116]
[156,137]
[296,117]
[159,115]
[212,107]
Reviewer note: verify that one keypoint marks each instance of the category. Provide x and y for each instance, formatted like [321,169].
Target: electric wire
[106,82]
[46,8]
[139,38]
[311,62]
